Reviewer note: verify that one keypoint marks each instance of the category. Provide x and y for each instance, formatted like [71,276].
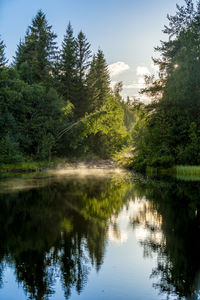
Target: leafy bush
[9,150]
[166,161]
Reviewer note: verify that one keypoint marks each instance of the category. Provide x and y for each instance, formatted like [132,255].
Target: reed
[187,170]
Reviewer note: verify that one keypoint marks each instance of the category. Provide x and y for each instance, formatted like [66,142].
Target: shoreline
[179,170]
[32,167]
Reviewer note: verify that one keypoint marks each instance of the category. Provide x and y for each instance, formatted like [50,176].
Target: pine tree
[98,81]
[37,52]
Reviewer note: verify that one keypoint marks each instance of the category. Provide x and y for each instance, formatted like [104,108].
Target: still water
[99,235]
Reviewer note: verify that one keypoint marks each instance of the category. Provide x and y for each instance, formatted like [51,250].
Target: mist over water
[98,234]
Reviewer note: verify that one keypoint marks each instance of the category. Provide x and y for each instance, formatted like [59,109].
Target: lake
[99,234]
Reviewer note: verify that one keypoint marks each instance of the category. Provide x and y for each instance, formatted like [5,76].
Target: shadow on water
[57,226]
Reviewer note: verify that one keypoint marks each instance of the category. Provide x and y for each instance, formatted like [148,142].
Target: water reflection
[58,229]
[171,219]
[60,226]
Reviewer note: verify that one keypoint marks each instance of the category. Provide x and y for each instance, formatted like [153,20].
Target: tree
[98,81]
[68,66]
[2,55]
[83,56]
[176,102]
[10,101]
[82,65]
[37,52]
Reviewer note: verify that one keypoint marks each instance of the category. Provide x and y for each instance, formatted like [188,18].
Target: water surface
[91,235]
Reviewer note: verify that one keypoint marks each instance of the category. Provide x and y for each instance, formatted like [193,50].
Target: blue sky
[126,30]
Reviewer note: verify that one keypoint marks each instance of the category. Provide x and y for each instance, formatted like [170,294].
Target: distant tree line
[58,102]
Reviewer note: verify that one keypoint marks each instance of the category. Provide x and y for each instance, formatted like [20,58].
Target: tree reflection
[58,230]
[171,217]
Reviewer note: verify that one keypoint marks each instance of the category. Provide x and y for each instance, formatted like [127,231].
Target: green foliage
[72,68]
[9,150]
[29,165]
[190,153]
[187,170]
[67,66]
[168,133]
[59,105]
[30,115]
[82,67]
[103,131]
[83,55]
[37,52]
[124,157]
[2,55]
[98,82]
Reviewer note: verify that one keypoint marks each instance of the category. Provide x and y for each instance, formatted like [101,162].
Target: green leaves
[59,105]
[169,134]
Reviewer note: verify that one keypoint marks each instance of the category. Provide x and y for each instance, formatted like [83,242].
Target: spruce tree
[82,65]
[37,51]
[68,66]
[98,81]
[83,56]
[2,55]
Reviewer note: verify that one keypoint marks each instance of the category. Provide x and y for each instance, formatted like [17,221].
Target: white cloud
[142,71]
[117,68]
[112,84]
[119,237]
[134,86]
[139,85]
[143,98]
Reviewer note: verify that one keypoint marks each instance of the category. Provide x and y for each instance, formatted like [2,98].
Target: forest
[58,102]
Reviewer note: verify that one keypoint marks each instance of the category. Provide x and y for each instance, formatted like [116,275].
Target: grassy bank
[188,170]
[30,166]
[176,170]
[75,162]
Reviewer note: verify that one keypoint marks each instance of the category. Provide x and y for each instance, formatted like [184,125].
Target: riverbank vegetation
[167,130]
[58,102]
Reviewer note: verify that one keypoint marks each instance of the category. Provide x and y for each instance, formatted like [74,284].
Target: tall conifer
[2,55]
[82,65]
[68,65]
[98,81]
[83,55]
[37,51]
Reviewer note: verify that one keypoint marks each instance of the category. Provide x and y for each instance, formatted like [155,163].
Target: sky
[126,30]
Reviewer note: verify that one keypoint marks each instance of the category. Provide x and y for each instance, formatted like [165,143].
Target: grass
[160,171]
[30,165]
[187,173]
[187,170]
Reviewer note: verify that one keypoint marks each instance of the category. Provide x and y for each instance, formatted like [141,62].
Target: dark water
[111,236]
